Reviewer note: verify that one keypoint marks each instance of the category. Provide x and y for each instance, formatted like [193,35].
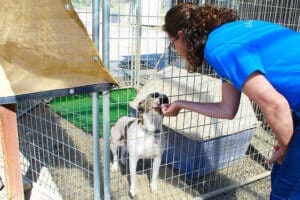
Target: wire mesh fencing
[55,142]
[202,157]
[197,160]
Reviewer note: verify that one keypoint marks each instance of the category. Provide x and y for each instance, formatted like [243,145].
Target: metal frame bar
[56,93]
[96,158]
[138,8]
[106,100]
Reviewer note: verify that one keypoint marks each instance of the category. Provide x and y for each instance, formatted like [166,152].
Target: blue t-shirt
[237,49]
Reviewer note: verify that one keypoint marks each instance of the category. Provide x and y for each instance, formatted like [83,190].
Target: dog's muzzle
[163,99]
[157,109]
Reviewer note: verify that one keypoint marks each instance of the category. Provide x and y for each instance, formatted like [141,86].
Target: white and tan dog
[142,138]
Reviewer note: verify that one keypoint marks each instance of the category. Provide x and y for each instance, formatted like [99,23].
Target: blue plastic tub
[196,159]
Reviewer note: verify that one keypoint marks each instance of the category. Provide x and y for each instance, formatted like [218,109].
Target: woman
[260,59]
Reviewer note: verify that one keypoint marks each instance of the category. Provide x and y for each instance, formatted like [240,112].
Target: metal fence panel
[56,144]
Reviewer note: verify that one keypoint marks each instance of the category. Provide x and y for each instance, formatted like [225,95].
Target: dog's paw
[115,167]
[132,193]
[153,187]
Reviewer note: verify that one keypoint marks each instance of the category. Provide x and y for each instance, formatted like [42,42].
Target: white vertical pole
[106,102]
[137,56]
[96,158]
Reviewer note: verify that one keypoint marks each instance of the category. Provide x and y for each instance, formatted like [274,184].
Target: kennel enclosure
[56,139]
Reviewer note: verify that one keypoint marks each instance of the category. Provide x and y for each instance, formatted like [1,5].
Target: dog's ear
[141,110]
[141,107]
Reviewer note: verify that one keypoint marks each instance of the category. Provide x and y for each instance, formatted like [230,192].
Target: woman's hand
[278,155]
[171,109]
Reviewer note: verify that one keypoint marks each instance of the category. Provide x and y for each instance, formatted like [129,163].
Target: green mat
[77,109]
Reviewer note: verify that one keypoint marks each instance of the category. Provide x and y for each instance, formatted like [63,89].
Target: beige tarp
[44,46]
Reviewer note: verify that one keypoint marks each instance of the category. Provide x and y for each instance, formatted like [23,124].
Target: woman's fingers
[164,108]
[278,155]
[170,109]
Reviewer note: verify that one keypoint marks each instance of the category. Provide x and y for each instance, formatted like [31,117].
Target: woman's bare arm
[275,108]
[226,108]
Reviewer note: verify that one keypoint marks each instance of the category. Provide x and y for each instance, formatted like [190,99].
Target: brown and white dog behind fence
[142,138]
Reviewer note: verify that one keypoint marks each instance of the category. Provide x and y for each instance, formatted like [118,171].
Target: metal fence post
[106,102]
[96,159]
[137,57]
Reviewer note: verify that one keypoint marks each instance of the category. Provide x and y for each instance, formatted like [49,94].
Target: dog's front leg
[155,172]
[132,166]
[123,155]
[114,150]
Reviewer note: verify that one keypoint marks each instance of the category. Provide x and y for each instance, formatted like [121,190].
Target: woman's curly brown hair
[196,22]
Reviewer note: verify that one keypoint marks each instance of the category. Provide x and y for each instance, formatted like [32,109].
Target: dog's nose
[163,99]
